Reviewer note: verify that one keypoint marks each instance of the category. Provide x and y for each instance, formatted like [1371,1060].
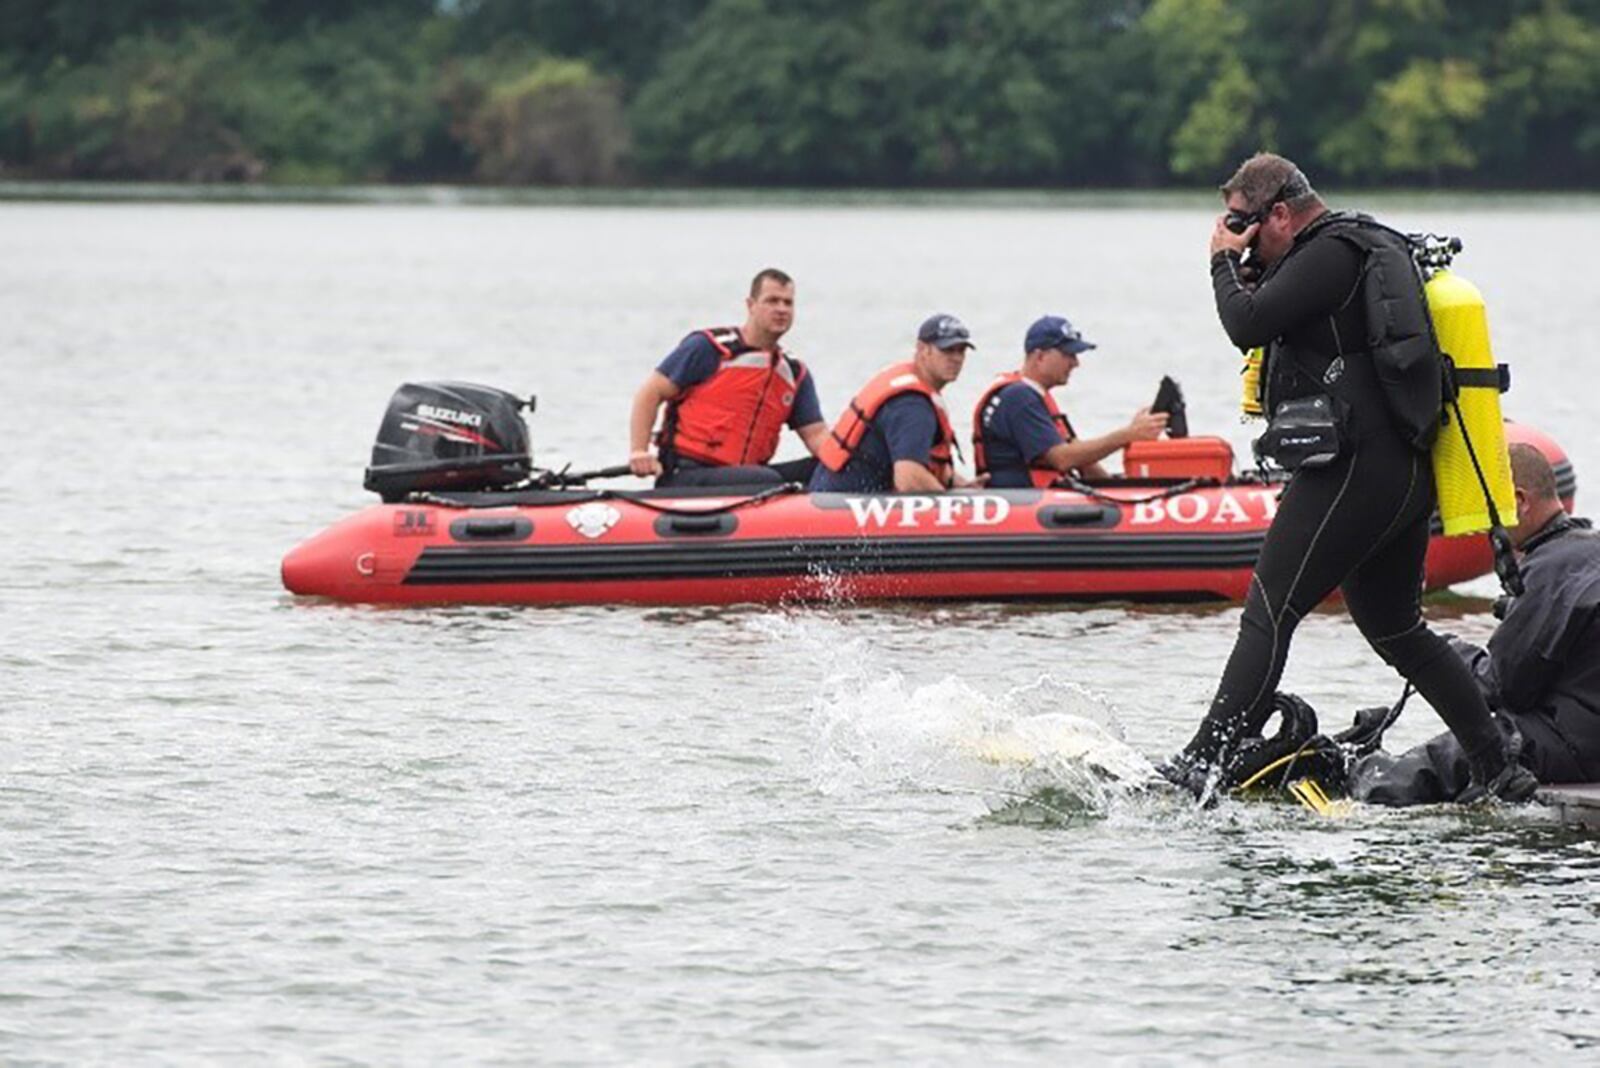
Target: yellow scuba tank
[1462,326]
[1250,384]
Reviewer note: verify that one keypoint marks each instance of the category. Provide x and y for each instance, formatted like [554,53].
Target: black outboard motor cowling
[449,435]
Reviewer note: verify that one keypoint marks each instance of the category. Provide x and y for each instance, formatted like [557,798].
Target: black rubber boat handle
[716,523]
[1078,515]
[512,528]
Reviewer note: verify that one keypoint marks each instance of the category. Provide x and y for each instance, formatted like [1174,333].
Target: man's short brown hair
[1265,178]
[765,273]
[1532,473]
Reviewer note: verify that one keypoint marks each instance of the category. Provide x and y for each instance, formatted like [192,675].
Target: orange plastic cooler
[1179,458]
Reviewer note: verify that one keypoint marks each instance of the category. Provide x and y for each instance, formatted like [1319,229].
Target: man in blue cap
[1022,438]
[895,435]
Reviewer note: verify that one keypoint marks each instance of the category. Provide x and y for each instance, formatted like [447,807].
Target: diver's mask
[1293,186]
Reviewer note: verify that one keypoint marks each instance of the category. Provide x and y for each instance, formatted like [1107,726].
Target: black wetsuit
[1541,670]
[1359,524]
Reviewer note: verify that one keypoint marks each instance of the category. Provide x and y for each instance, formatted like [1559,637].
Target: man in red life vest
[1021,438]
[729,392]
[895,435]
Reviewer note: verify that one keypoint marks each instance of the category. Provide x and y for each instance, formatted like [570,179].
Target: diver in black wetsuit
[1358,522]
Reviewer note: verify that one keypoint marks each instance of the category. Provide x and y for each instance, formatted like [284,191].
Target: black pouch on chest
[1305,432]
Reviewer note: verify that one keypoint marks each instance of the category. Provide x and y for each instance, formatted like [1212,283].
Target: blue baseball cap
[945,332]
[1054,332]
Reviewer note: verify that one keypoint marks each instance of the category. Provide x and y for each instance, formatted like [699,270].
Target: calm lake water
[237,828]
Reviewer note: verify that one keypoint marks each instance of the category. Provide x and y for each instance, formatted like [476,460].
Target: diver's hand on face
[1224,239]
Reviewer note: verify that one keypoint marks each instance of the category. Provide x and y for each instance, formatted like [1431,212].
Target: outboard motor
[449,435]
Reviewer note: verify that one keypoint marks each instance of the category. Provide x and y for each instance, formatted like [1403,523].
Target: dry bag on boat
[449,435]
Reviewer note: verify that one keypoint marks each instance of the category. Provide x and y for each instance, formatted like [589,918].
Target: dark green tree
[625,38]
[802,92]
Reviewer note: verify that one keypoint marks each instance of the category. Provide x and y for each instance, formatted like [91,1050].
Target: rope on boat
[779,490]
[428,497]
[1077,485]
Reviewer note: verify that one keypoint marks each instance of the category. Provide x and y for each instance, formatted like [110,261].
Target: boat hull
[594,547]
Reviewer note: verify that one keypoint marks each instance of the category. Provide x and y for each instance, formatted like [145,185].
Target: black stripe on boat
[850,556]
[1566,479]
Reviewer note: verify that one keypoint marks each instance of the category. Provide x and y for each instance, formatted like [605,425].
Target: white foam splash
[1049,749]
[1045,750]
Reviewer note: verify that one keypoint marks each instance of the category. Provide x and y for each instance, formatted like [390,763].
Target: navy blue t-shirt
[696,359]
[906,428]
[1017,429]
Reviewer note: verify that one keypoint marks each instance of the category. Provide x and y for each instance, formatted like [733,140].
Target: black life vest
[1400,338]
[1400,341]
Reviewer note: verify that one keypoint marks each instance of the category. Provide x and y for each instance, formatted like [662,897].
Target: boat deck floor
[1577,803]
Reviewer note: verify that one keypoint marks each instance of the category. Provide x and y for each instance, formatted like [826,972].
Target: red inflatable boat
[1156,538]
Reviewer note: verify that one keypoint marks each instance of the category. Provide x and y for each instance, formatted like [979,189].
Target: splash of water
[1047,751]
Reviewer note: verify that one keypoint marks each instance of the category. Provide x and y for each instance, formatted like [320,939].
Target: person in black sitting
[1357,521]
[1541,670]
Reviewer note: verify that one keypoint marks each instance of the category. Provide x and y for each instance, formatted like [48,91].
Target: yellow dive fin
[1310,794]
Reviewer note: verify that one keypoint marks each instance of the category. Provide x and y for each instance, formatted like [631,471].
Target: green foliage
[354,101]
[151,108]
[942,92]
[1425,115]
[1218,126]
[622,38]
[1417,123]
[332,104]
[15,133]
[818,105]
[1188,42]
[805,92]
[45,32]
[1546,89]
[556,122]
[1203,107]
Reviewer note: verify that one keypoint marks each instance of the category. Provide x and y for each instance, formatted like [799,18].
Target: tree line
[929,93]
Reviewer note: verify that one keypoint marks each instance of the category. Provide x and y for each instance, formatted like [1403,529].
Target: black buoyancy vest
[1400,340]
[1400,337]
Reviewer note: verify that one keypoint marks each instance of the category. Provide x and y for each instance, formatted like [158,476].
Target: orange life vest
[851,429]
[738,414]
[1041,473]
